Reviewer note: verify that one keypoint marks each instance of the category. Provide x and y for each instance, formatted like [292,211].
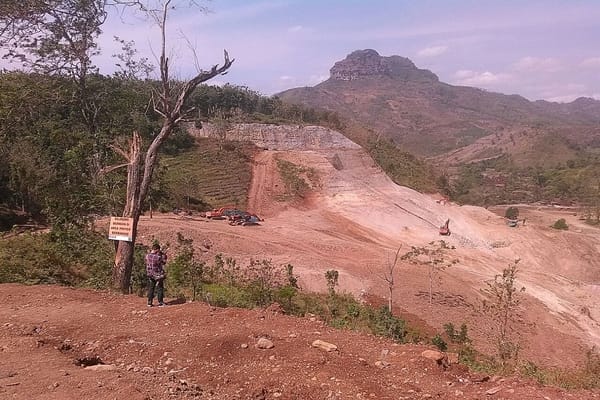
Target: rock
[480,378]
[275,308]
[362,64]
[244,345]
[452,358]
[437,356]
[382,364]
[493,390]
[320,344]
[280,137]
[102,367]
[147,370]
[264,343]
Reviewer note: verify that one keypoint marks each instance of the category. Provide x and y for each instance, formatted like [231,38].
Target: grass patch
[298,180]
[403,168]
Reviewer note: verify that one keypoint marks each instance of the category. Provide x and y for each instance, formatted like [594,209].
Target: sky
[539,49]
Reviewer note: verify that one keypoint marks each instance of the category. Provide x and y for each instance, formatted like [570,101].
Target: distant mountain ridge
[392,97]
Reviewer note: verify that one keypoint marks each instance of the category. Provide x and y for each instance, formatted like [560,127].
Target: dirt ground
[49,334]
[353,222]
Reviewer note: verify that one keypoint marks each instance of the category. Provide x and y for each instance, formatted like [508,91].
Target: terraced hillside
[210,175]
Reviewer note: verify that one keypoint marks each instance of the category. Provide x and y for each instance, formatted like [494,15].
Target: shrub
[512,213]
[331,276]
[76,257]
[457,337]
[440,343]
[385,324]
[561,224]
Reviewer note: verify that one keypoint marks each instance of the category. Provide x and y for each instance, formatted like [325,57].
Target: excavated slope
[364,217]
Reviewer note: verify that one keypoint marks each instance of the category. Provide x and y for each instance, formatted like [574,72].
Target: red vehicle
[218,213]
[445,229]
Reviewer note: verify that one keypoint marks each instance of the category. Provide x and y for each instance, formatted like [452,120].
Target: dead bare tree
[169,102]
[388,277]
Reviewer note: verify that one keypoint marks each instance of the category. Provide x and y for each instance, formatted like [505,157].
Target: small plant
[460,337]
[388,325]
[512,213]
[434,256]
[561,224]
[440,343]
[332,280]
[502,307]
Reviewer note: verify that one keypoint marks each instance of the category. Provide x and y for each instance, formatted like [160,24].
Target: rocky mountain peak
[368,63]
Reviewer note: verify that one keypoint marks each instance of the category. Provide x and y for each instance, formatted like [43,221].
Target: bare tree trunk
[430,285]
[391,289]
[125,250]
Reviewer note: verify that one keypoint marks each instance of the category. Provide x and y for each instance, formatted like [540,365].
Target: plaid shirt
[154,265]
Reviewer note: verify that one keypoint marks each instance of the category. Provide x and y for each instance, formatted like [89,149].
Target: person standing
[155,269]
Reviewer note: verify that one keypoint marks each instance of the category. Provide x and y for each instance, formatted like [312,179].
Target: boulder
[101,367]
[320,344]
[264,343]
[440,358]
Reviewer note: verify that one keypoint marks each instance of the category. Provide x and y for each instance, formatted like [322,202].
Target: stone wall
[281,137]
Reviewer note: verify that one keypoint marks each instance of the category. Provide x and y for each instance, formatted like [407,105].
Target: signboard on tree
[121,228]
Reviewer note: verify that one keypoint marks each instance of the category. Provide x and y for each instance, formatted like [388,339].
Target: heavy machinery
[219,213]
[244,219]
[445,229]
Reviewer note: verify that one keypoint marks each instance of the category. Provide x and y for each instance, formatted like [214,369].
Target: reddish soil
[192,350]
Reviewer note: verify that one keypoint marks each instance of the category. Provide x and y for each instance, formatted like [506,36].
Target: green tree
[435,257]
[502,305]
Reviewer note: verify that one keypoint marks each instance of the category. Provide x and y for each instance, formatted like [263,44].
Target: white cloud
[535,64]
[296,28]
[432,51]
[473,78]
[591,62]
[286,78]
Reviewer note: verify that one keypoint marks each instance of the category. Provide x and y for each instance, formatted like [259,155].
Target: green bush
[440,343]
[512,213]
[76,257]
[561,224]
[460,337]
[383,323]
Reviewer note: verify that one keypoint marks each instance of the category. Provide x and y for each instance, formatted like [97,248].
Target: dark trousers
[160,289]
